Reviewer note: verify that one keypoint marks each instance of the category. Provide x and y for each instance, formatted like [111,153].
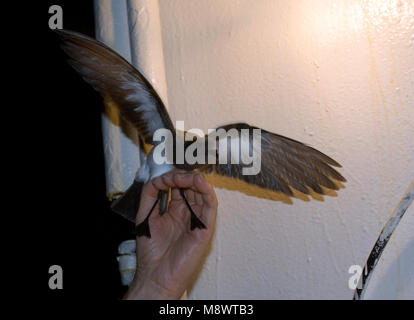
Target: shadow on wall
[251,190]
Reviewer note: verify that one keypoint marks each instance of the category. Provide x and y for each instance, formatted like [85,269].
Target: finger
[159,183]
[197,183]
[175,194]
[209,199]
[149,190]
[199,199]
[186,181]
[170,180]
[206,190]
[166,180]
[190,195]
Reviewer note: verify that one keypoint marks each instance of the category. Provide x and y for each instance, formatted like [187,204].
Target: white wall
[338,75]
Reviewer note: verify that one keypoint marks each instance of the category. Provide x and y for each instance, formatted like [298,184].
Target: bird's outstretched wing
[285,163]
[117,81]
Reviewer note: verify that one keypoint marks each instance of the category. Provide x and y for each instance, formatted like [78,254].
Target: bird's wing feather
[117,81]
[285,163]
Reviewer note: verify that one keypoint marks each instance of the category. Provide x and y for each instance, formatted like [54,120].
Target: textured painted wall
[338,75]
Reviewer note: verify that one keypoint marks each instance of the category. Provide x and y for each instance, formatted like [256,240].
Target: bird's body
[284,162]
[150,169]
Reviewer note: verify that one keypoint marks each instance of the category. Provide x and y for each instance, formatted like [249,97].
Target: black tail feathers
[127,205]
[143,229]
[196,222]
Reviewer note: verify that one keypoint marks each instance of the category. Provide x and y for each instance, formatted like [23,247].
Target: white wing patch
[146,104]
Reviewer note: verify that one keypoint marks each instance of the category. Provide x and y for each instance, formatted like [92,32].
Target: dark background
[73,225]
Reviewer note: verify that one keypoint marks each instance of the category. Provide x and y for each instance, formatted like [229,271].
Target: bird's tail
[127,205]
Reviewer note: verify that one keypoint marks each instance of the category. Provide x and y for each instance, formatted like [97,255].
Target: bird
[284,164]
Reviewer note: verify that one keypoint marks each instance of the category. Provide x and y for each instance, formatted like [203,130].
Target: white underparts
[150,170]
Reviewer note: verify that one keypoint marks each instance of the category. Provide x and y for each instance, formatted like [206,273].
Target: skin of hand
[168,260]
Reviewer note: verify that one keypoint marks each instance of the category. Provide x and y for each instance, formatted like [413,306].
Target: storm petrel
[285,163]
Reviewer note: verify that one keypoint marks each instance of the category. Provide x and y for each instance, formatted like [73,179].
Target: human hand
[167,261]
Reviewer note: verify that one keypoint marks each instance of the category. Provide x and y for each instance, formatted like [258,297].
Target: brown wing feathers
[284,163]
[117,80]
